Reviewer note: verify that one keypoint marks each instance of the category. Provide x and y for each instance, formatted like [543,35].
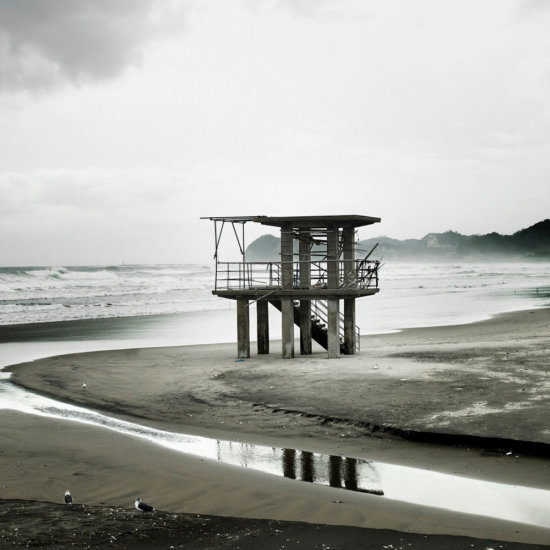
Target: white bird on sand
[84,385]
[68,499]
[142,506]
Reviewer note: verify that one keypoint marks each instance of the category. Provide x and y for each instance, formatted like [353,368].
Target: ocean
[66,308]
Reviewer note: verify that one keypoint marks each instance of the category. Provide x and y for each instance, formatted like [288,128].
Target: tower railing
[359,274]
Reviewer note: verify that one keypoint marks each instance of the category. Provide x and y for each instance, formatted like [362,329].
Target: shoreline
[400,363]
[266,400]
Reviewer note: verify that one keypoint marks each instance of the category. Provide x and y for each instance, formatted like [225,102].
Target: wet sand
[409,398]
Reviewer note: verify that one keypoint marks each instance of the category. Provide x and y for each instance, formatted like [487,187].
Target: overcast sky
[123,122]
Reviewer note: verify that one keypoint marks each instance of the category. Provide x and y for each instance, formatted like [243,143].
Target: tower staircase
[319,322]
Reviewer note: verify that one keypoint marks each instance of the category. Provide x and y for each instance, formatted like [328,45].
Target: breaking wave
[411,294]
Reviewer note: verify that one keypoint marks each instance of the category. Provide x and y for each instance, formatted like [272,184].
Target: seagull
[142,506]
[68,499]
[84,385]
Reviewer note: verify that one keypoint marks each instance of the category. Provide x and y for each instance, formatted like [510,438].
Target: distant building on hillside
[431,241]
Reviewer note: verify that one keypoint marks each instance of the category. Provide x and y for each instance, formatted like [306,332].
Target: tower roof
[311,222]
[305,222]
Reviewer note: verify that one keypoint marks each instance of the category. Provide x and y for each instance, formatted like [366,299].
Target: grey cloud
[119,190]
[47,42]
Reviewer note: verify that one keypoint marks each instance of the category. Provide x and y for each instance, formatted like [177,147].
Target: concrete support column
[243,329]
[262,326]
[349,326]
[348,236]
[333,305]
[287,305]
[333,339]
[305,282]
[333,257]
[287,257]
[287,310]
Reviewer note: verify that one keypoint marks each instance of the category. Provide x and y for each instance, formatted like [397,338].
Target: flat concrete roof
[306,222]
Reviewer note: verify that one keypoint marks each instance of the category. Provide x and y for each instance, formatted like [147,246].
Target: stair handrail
[319,309]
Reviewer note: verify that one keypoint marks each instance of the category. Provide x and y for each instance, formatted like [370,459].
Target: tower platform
[318,268]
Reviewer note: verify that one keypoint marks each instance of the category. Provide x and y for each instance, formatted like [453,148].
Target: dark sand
[114,527]
[453,399]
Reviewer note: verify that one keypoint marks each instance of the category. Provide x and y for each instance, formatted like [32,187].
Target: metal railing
[363,274]
[247,275]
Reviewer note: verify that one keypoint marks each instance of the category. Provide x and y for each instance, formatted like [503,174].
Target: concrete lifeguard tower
[318,268]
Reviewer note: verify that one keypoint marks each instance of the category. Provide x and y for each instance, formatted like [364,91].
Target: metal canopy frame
[317,224]
[233,220]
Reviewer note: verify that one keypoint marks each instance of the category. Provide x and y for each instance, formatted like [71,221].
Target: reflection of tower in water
[308,471]
[350,474]
[343,468]
[289,463]
[334,470]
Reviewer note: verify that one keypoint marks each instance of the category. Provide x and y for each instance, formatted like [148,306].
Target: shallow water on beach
[406,484]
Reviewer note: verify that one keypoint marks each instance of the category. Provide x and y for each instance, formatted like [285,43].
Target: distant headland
[530,243]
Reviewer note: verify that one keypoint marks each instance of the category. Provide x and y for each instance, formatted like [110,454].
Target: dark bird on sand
[142,506]
[68,499]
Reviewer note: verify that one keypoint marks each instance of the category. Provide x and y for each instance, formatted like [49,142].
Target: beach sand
[451,399]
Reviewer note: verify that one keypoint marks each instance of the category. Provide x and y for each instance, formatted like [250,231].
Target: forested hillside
[532,242]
